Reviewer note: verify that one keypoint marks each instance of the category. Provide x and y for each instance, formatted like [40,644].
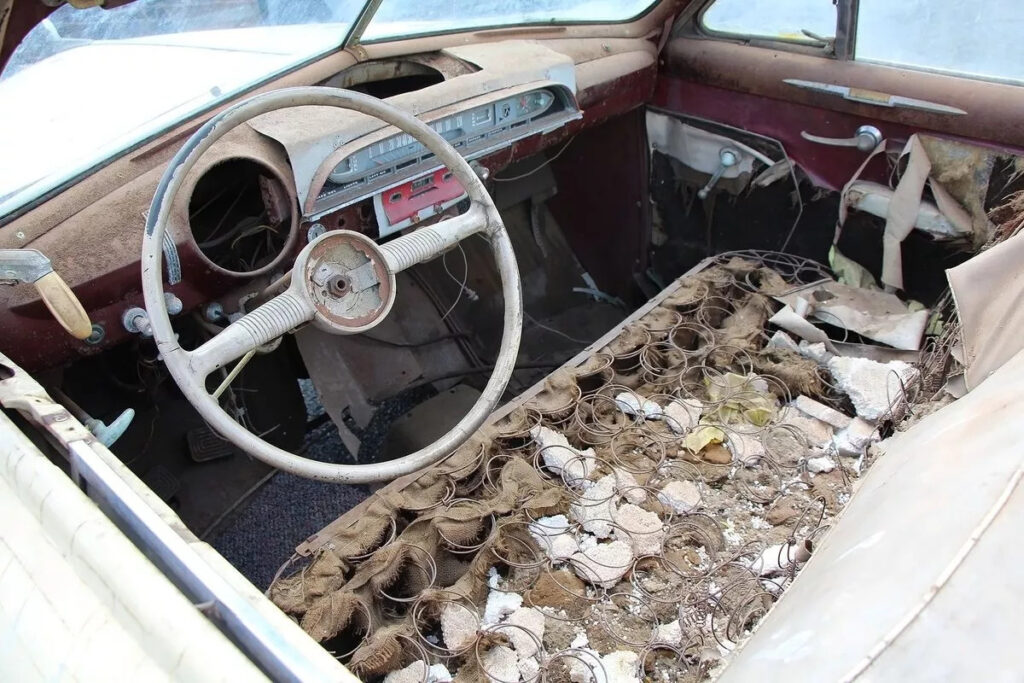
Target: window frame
[844,44]
[842,47]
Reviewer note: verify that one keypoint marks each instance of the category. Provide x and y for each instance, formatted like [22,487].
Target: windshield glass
[401,18]
[85,85]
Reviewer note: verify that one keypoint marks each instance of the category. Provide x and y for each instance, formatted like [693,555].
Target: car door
[804,77]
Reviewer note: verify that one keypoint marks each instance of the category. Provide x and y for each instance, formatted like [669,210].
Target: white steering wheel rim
[179,362]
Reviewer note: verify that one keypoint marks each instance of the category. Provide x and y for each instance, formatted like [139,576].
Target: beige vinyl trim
[78,601]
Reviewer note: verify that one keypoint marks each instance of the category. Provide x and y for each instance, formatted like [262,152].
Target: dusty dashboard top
[520,88]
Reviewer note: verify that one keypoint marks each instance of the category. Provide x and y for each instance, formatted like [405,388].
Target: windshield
[402,18]
[85,85]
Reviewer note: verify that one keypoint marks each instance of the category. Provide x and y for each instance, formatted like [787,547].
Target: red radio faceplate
[401,206]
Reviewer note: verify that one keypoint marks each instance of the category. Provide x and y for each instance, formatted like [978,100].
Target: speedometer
[477,130]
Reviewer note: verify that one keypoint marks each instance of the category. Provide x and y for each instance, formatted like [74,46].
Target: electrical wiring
[541,166]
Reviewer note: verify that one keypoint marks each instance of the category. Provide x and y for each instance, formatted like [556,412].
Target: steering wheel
[342,282]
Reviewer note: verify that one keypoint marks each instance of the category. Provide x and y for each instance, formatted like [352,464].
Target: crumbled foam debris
[816,352]
[531,620]
[620,666]
[458,626]
[683,415]
[553,534]
[669,634]
[595,509]
[777,558]
[500,665]
[759,523]
[585,667]
[681,496]
[729,533]
[627,485]
[781,340]
[855,438]
[436,673]
[587,543]
[641,529]
[493,577]
[634,405]
[871,386]
[746,448]
[820,411]
[529,669]
[605,564]
[559,455]
[500,605]
[581,640]
[820,464]
[818,434]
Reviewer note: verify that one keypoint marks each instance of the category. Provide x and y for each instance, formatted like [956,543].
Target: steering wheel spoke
[430,242]
[261,326]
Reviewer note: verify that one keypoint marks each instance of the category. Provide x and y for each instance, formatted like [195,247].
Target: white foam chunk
[627,485]
[637,406]
[559,455]
[436,673]
[641,529]
[683,415]
[820,411]
[553,534]
[681,496]
[872,387]
[595,509]
[816,352]
[820,464]
[529,669]
[854,439]
[746,448]
[585,666]
[669,634]
[501,665]
[781,340]
[621,667]
[530,620]
[500,605]
[605,564]
[777,558]
[458,626]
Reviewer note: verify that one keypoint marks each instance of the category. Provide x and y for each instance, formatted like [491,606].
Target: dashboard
[365,169]
[299,168]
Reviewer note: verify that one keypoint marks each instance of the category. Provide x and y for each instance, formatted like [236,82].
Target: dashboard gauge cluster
[474,132]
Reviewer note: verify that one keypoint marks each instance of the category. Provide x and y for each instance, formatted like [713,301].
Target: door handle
[865,139]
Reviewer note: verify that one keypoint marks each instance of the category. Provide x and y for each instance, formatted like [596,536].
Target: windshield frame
[356,38]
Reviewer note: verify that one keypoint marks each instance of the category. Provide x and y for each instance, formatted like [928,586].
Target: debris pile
[637,518]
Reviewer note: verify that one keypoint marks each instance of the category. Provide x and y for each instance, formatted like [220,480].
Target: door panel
[743,86]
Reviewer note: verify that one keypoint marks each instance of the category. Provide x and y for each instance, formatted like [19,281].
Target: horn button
[348,282]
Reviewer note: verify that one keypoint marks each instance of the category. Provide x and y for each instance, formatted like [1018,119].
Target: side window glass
[977,39]
[788,20]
